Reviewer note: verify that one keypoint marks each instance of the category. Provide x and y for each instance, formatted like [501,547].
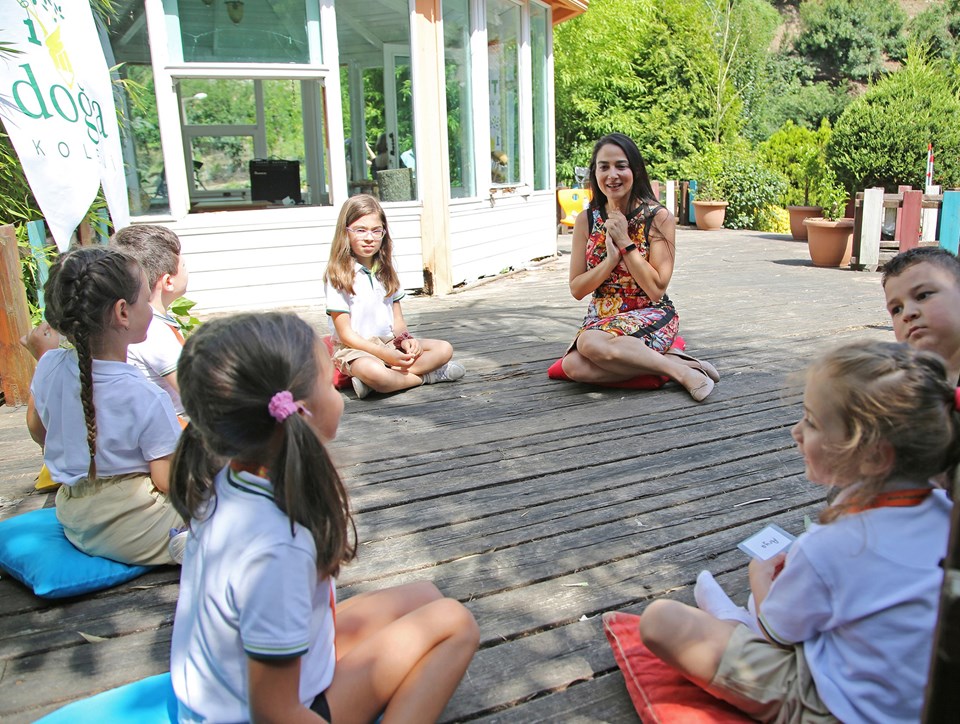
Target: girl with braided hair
[107,432]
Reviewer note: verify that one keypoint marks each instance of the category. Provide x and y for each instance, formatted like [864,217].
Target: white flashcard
[767,543]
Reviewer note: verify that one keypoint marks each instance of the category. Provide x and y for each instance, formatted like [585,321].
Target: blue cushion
[148,701]
[34,550]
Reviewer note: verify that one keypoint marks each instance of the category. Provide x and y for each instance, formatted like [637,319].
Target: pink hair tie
[956,400]
[282,405]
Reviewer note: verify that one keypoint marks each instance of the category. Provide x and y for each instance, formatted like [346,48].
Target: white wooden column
[433,164]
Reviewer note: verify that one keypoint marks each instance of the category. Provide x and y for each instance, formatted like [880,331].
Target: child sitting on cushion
[371,340]
[847,616]
[107,432]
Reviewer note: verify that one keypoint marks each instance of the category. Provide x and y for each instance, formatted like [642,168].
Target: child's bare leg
[376,375]
[690,640]
[363,615]
[436,353]
[412,666]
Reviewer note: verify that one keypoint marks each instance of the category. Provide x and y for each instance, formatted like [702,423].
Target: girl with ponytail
[107,432]
[255,637]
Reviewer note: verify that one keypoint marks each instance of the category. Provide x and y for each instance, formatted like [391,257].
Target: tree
[654,70]
[881,138]
[848,38]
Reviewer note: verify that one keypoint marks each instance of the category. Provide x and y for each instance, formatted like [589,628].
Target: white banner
[56,103]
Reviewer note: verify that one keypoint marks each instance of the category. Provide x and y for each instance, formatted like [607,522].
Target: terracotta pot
[709,214]
[830,242]
[797,216]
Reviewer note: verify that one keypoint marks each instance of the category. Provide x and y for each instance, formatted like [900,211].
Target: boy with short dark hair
[157,249]
[922,288]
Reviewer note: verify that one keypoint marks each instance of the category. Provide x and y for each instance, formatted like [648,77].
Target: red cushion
[659,692]
[640,382]
[340,380]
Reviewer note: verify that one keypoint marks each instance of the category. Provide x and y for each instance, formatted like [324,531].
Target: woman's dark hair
[642,189]
[83,288]
[228,372]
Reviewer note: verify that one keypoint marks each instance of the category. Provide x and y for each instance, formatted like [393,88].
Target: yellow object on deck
[572,202]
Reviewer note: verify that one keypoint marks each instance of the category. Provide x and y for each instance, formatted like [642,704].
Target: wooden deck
[540,504]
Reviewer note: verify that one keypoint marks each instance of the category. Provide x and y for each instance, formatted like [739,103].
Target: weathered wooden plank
[507,487]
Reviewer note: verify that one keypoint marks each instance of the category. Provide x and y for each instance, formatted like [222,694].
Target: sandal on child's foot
[450,372]
[698,364]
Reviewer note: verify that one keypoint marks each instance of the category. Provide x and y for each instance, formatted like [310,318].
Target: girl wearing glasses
[371,340]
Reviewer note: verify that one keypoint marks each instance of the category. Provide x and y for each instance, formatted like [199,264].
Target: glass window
[245,141]
[225,31]
[140,129]
[539,24]
[503,34]
[374,45]
[456,49]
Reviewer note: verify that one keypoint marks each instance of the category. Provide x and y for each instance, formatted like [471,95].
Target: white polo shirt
[135,418]
[369,307]
[862,593]
[248,587]
[158,355]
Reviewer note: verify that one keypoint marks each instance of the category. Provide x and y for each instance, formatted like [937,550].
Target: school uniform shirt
[135,418]
[369,307]
[157,356]
[862,593]
[248,588]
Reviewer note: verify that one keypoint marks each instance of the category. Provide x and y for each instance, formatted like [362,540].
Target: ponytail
[239,378]
[191,474]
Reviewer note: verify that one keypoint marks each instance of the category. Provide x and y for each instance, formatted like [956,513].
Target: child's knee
[657,623]
[461,622]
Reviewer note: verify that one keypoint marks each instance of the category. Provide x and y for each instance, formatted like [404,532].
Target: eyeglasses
[377,233]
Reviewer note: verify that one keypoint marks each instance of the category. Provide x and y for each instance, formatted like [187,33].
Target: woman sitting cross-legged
[623,253]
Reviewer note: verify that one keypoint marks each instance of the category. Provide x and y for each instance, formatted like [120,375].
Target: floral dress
[619,306]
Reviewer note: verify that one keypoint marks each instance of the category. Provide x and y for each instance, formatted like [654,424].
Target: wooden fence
[920,218]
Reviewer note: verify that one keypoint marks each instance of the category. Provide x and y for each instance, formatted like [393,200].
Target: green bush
[751,189]
[881,138]
[848,38]
[797,153]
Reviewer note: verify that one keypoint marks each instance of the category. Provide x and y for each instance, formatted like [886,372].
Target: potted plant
[709,198]
[810,167]
[830,237]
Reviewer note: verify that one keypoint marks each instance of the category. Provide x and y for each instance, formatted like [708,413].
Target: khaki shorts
[343,355]
[769,683]
[124,518]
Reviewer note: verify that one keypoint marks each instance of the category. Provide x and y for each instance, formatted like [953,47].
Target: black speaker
[274,179]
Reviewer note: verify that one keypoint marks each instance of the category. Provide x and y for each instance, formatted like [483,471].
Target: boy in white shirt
[157,249]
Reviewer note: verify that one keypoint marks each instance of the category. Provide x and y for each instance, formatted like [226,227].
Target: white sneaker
[177,544]
[450,372]
[360,387]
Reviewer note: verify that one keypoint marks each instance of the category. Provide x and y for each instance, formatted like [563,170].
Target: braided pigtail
[83,287]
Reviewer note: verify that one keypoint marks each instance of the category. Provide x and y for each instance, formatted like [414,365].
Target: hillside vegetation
[822,94]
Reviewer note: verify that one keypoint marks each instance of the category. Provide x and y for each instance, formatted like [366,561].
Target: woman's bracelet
[627,249]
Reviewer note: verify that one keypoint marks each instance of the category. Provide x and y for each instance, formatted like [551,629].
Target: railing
[921,217]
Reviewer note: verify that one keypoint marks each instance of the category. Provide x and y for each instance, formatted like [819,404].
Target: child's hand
[763,574]
[412,346]
[398,359]
[40,340]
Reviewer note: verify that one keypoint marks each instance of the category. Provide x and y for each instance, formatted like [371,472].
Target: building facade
[249,124]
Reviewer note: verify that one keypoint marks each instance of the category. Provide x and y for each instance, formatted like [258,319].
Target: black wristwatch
[627,249]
